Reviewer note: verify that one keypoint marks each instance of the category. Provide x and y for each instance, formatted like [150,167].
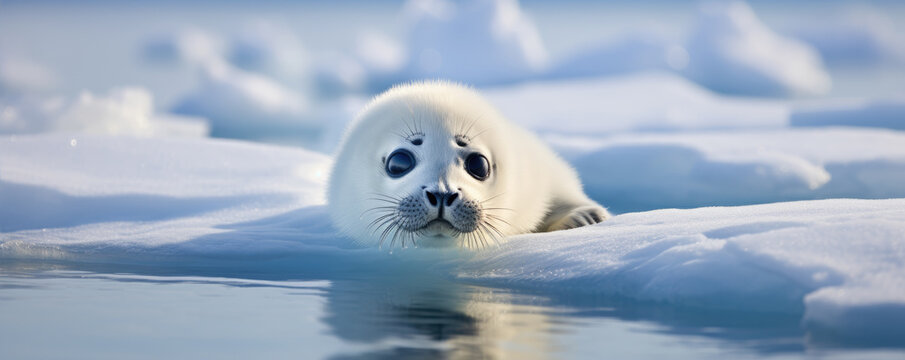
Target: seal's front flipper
[577,217]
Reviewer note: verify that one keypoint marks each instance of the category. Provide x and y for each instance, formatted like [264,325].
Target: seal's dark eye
[478,166]
[399,163]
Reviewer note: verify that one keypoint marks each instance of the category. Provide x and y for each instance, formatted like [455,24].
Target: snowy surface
[729,50]
[639,102]
[473,41]
[123,111]
[862,35]
[840,261]
[630,53]
[238,102]
[247,84]
[652,171]
[127,193]
[881,113]
[837,262]
[732,51]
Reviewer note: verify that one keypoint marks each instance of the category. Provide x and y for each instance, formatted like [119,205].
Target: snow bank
[732,51]
[93,194]
[124,111]
[833,259]
[886,113]
[477,42]
[641,102]
[242,104]
[190,46]
[249,84]
[651,171]
[631,53]
[729,50]
[271,49]
[200,202]
[263,47]
[863,36]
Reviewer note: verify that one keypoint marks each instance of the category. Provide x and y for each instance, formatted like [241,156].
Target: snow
[264,47]
[242,104]
[729,50]
[249,84]
[637,102]
[879,113]
[652,171]
[833,259]
[732,51]
[123,111]
[191,46]
[836,262]
[20,75]
[269,48]
[863,35]
[122,192]
[627,54]
[478,42]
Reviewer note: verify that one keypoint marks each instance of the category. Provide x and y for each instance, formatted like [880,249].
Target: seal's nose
[436,198]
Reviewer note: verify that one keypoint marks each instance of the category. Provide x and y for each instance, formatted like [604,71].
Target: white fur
[530,189]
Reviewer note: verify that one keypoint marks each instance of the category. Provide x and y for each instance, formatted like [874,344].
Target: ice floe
[836,262]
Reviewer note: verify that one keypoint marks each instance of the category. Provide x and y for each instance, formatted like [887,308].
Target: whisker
[385,196]
[469,128]
[383,208]
[394,202]
[481,235]
[491,198]
[386,232]
[411,132]
[499,235]
[395,235]
[479,134]
[380,219]
[497,218]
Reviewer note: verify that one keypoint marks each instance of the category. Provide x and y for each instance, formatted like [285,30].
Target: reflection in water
[431,317]
[401,313]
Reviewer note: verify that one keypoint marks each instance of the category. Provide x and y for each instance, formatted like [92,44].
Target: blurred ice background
[291,72]
[294,73]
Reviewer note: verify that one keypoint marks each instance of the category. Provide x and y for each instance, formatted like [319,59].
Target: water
[50,311]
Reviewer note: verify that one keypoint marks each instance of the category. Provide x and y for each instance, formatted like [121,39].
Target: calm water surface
[57,312]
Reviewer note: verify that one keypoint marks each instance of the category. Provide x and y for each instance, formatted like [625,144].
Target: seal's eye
[399,163]
[478,166]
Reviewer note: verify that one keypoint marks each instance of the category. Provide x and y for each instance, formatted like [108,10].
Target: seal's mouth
[439,228]
[439,222]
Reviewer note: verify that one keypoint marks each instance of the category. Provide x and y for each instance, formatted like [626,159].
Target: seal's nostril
[450,198]
[431,198]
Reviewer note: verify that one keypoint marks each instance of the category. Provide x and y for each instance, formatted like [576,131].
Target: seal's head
[420,165]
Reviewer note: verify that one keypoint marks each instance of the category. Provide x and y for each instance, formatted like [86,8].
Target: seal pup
[434,164]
